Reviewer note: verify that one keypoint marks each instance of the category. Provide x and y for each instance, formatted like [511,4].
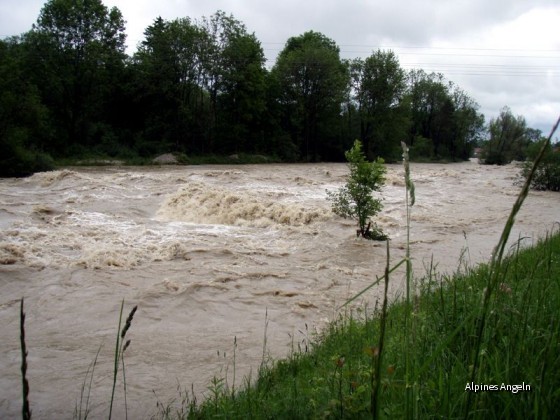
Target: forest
[68,89]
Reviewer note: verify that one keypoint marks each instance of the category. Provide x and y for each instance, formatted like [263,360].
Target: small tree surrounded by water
[355,200]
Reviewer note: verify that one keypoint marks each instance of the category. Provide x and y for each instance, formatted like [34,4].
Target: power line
[461,61]
[436,54]
[389,47]
[364,48]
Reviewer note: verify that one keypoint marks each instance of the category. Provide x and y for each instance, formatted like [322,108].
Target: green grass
[333,374]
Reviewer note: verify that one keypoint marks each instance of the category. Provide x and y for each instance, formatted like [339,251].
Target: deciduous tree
[380,87]
[509,138]
[445,120]
[24,128]
[312,80]
[77,49]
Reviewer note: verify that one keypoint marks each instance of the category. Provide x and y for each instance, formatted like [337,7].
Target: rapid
[212,256]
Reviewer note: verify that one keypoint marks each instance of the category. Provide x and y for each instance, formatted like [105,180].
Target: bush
[547,175]
[17,160]
[509,139]
[354,200]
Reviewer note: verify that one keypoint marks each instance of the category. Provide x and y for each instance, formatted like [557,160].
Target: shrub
[17,160]
[547,175]
[354,200]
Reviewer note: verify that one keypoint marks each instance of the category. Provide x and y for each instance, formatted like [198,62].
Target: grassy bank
[334,374]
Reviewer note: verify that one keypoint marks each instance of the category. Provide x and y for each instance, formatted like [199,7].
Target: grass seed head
[126,345]
[128,321]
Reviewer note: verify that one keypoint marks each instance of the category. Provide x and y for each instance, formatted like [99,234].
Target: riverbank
[166,159]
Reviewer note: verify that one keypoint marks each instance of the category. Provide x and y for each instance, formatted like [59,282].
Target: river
[212,254]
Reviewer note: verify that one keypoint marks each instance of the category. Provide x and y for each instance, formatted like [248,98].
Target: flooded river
[210,254]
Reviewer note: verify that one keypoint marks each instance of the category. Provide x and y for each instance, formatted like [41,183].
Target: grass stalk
[264,358]
[375,283]
[124,378]
[120,347]
[234,365]
[409,329]
[25,410]
[375,399]
[89,374]
[116,367]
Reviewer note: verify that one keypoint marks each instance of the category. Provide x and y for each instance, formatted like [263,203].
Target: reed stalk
[124,378]
[234,365]
[116,367]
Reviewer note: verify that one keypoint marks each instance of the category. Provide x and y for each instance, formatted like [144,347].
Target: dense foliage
[24,126]
[200,87]
[510,139]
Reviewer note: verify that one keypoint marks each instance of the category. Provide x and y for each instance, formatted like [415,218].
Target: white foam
[208,204]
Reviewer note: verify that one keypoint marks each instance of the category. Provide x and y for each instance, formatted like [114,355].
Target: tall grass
[378,354]
[409,326]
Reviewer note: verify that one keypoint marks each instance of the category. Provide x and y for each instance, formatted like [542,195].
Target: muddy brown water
[210,254]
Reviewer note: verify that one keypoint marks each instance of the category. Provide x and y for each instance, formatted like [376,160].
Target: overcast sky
[501,52]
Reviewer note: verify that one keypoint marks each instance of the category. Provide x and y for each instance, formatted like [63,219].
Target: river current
[217,258]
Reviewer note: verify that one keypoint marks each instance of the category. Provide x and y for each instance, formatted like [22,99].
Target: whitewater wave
[47,179]
[203,203]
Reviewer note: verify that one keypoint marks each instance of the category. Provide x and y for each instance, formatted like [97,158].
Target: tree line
[201,87]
